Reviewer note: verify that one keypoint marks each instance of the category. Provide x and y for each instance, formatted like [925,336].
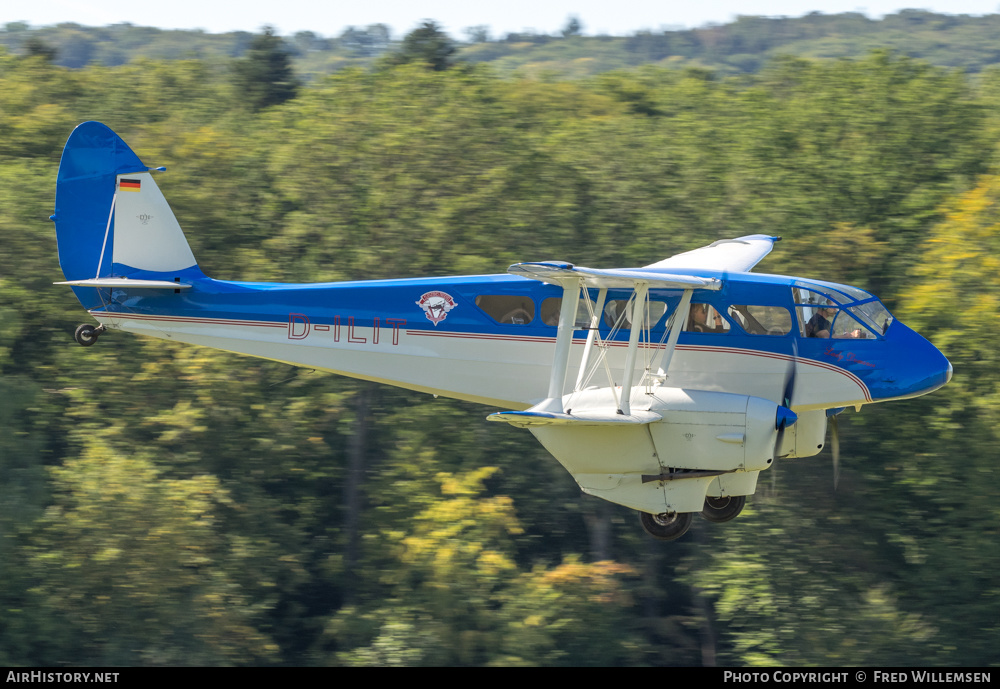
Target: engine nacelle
[721,440]
[807,437]
[713,430]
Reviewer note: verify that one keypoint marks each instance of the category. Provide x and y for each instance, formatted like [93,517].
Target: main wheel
[86,334]
[667,526]
[723,509]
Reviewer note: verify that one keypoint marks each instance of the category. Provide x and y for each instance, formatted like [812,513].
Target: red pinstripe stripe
[189,319]
[687,348]
[504,338]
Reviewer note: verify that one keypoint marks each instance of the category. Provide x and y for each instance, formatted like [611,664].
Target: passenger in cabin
[698,320]
[616,314]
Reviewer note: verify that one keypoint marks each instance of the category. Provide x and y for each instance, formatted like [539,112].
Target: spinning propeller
[835,442]
[786,417]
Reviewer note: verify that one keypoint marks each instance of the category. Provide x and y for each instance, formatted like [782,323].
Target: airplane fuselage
[447,336]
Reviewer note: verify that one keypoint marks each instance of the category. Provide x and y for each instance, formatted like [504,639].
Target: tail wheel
[666,526]
[723,509]
[87,334]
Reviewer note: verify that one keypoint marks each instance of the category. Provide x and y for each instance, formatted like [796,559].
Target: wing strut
[641,290]
[552,410]
[564,339]
[572,280]
[677,321]
[595,323]
[680,319]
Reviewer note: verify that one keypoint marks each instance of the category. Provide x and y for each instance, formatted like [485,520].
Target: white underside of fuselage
[507,371]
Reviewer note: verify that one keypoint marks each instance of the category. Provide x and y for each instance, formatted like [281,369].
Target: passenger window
[509,309]
[704,318]
[550,313]
[762,320]
[618,312]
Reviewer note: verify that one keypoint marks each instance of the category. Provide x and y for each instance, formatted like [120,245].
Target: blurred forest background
[168,505]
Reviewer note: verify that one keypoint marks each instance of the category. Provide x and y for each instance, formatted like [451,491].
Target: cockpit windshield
[829,310]
[874,314]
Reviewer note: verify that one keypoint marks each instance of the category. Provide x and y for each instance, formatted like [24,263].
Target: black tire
[667,526]
[723,509]
[86,335]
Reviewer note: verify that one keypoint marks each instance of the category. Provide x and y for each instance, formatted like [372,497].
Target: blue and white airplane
[666,388]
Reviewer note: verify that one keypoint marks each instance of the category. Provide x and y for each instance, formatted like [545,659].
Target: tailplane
[111,219]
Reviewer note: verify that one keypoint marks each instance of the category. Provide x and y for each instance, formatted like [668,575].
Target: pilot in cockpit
[821,322]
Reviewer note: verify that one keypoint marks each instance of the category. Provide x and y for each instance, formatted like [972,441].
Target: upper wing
[736,255]
[567,273]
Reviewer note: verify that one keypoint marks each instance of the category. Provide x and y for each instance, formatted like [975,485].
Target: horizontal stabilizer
[126,283]
[524,419]
[559,273]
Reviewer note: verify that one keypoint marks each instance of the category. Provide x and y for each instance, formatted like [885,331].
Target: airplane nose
[917,367]
[939,369]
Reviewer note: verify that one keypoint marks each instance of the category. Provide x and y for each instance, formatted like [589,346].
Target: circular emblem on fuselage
[436,305]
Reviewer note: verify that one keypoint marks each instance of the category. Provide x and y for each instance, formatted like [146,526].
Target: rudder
[111,218]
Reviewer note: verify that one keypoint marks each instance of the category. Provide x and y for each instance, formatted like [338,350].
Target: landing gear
[666,526]
[723,509]
[87,334]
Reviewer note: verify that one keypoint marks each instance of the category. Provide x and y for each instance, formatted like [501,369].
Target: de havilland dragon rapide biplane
[666,388]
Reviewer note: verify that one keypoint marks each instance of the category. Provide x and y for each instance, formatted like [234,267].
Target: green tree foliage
[427,45]
[573,27]
[457,596]
[743,46]
[265,77]
[124,551]
[167,504]
[36,47]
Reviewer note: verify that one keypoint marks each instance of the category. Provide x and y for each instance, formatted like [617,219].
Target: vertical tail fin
[111,218]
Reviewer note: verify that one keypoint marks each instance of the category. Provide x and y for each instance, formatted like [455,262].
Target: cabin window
[842,294]
[508,309]
[816,297]
[550,313]
[826,321]
[816,320]
[828,312]
[847,327]
[762,320]
[874,314]
[816,310]
[705,318]
[618,312]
